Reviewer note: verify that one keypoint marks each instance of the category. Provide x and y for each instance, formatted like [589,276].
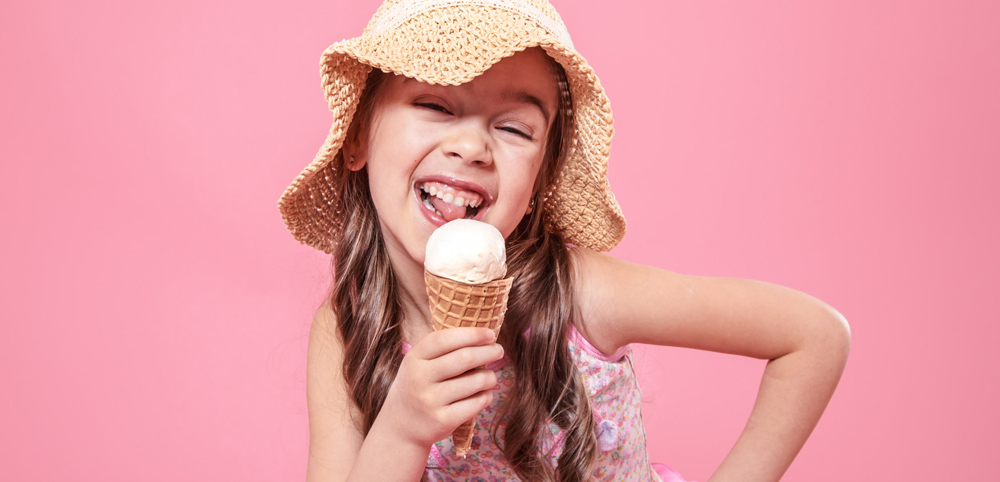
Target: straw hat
[450,42]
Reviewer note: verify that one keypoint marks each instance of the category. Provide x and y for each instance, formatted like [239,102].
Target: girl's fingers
[467,385]
[470,406]
[438,343]
[451,365]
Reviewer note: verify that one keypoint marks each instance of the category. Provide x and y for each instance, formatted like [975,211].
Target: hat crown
[394,13]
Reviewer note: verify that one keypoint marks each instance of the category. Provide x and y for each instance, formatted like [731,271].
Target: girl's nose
[469,144]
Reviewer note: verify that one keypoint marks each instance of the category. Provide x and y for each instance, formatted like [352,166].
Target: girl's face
[437,153]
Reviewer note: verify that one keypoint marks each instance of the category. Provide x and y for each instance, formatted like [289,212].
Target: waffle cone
[454,304]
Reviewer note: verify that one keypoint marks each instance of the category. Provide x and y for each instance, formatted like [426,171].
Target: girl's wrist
[398,433]
[409,457]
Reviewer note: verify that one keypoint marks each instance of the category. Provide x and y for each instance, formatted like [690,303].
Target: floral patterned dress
[614,395]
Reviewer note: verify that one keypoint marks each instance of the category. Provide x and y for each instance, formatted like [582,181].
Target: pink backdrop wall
[155,311]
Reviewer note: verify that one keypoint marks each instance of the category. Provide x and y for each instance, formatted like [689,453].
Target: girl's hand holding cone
[438,386]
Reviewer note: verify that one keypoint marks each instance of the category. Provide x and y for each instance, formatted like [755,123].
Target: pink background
[155,311]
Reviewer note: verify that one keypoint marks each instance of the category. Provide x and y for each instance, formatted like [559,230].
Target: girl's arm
[436,389]
[805,341]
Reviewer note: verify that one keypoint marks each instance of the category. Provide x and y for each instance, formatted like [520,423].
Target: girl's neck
[413,295]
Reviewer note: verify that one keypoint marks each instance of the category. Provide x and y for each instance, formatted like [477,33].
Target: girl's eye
[516,131]
[433,106]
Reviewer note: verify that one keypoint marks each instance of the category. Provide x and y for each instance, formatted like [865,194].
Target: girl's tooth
[447,195]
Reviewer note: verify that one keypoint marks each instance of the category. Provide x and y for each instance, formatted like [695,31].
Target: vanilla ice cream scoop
[466,251]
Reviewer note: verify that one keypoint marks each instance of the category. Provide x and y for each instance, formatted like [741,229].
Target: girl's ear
[354,158]
[539,179]
[353,161]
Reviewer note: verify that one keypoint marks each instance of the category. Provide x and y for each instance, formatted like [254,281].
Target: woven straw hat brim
[452,46]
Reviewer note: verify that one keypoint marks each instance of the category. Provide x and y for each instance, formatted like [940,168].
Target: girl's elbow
[835,334]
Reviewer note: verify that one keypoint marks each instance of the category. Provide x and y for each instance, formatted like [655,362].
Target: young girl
[482,109]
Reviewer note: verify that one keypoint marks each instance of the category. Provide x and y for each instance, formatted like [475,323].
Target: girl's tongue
[448,211]
[449,202]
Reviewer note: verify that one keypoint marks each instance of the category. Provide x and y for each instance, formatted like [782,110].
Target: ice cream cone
[454,304]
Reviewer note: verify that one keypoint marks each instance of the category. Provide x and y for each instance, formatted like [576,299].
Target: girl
[482,109]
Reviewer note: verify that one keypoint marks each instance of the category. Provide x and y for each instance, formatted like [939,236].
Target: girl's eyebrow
[520,96]
[525,98]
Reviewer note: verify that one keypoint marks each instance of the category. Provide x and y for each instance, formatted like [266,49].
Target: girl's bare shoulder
[612,296]
[326,352]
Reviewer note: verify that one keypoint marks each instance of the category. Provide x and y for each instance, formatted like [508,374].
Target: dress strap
[576,337]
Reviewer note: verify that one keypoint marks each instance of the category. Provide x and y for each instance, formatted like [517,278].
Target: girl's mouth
[449,202]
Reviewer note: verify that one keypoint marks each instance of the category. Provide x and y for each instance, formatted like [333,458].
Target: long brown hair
[365,298]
